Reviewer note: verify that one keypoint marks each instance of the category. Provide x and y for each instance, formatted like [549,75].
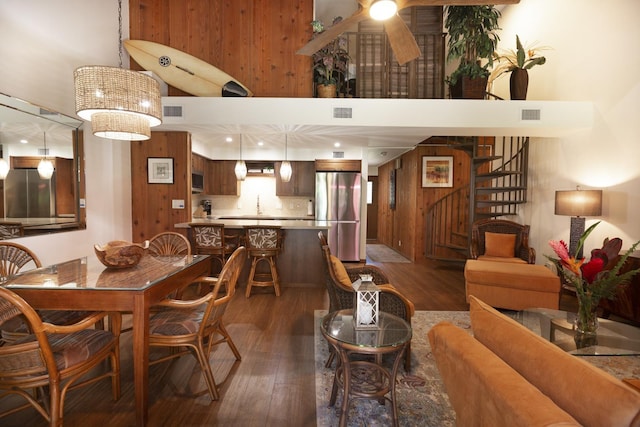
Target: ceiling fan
[402,41]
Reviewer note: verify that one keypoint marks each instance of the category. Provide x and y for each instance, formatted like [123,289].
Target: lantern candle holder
[366,303]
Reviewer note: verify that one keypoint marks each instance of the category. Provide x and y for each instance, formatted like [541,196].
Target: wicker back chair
[338,283]
[522,249]
[169,243]
[194,324]
[13,258]
[54,358]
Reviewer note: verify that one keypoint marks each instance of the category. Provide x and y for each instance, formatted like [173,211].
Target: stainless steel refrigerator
[29,196]
[338,196]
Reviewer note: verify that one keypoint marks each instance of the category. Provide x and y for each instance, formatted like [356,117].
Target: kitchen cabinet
[302,183]
[220,178]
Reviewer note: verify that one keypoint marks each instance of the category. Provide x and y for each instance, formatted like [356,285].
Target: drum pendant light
[120,104]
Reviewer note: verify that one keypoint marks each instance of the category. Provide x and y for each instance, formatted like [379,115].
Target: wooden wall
[403,228]
[152,212]
[252,40]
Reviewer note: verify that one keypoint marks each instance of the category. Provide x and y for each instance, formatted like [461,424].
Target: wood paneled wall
[404,227]
[152,212]
[252,40]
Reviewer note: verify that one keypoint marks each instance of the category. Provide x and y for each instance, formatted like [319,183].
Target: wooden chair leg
[274,275]
[252,272]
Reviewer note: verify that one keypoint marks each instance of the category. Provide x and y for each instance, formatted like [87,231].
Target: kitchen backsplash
[253,191]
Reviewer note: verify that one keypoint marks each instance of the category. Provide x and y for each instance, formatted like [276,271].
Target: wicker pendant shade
[121,104]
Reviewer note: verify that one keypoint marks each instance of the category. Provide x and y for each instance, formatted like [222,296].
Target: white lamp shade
[383,9]
[241,170]
[45,169]
[4,168]
[285,171]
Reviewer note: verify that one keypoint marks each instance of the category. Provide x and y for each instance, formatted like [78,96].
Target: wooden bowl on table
[121,254]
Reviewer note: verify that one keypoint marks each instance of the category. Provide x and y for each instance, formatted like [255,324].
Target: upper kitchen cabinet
[302,183]
[220,178]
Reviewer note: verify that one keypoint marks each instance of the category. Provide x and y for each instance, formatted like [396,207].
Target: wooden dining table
[86,284]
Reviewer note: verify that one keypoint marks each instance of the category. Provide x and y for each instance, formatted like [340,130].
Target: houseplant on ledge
[472,39]
[517,62]
[330,62]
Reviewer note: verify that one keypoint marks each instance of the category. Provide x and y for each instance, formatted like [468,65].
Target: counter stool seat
[264,244]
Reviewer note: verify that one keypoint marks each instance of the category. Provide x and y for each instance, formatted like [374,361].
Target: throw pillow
[340,271]
[501,245]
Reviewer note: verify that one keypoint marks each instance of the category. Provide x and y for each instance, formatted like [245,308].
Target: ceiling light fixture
[120,104]
[383,9]
[285,167]
[241,166]
[45,167]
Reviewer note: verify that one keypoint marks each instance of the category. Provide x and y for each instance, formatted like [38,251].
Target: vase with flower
[517,62]
[598,278]
[330,62]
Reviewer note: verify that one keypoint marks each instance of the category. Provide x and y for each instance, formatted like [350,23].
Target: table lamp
[578,204]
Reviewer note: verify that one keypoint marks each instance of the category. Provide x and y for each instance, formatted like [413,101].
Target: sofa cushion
[502,259]
[589,394]
[512,275]
[340,271]
[502,245]
[483,389]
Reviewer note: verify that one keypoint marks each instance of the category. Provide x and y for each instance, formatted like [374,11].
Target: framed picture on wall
[160,170]
[437,171]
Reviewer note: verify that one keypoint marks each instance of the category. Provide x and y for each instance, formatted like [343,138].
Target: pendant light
[383,9]
[4,165]
[120,104]
[241,166]
[285,167]
[45,167]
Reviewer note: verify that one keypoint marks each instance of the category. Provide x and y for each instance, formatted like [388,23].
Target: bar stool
[264,243]
[210,239]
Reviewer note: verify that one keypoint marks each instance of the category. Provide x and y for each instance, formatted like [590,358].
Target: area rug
[421,397]
[383,253]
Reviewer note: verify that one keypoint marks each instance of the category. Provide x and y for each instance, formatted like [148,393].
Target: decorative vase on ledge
[326,91]
[518,84]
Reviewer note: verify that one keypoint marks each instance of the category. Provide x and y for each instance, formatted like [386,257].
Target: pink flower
[560,248]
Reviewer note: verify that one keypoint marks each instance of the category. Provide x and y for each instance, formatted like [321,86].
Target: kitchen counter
[300,263]
[237,223]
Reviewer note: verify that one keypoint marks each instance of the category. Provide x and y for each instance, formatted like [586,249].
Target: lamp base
[577,229]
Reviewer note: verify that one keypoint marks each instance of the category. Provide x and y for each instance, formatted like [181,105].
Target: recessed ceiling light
[229,139]
[24,141]
[260,143]
[336,144]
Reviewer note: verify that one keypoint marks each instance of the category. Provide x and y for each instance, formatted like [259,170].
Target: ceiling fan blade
[410,3]
[324,38]
[402,41]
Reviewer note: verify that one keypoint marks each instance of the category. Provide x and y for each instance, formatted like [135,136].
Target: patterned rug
[421,397]
[383,253]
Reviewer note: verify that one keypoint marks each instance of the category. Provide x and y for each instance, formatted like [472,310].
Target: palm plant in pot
[472,39]
[518,62]
[330,62]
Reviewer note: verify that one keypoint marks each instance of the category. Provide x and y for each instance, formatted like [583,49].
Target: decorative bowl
[121,254]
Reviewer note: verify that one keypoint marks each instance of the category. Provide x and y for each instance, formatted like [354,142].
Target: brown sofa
[506,375]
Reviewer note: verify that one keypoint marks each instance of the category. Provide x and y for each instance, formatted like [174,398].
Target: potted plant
[517,62]
[472,39]
[330,62]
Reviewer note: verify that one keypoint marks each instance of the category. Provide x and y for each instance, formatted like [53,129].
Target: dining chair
[210,239]
[51,360]
[14,258]
[195,326]
[169,243]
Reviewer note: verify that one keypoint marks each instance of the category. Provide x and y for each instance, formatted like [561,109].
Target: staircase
[497,187]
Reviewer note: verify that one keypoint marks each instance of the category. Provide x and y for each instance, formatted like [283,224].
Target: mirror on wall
[33,203]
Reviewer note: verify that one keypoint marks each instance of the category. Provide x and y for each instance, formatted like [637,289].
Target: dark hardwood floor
[273,385]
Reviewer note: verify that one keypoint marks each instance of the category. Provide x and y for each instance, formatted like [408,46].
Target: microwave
[197,182]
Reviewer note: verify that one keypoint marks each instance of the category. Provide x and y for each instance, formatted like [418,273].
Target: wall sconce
[383,9]
[578,204]
[285,167]
[241,166]
[45,167]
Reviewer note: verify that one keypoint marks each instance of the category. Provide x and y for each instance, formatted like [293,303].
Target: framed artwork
[160,170]
[437,171]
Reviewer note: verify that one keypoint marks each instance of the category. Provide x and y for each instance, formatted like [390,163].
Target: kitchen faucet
[258,205]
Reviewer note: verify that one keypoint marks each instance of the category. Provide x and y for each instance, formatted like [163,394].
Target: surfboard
[184,71]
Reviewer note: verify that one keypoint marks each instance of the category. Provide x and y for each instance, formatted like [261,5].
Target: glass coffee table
[612,339]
